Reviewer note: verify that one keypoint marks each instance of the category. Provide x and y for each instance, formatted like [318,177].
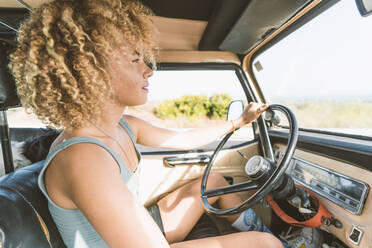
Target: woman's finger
[263,107]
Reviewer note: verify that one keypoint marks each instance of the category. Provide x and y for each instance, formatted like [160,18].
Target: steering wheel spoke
[265,140]
[239,187]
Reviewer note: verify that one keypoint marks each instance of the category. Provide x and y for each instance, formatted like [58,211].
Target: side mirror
[235,109]
[364,7]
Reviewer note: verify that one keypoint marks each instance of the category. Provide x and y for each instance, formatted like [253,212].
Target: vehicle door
[191,95]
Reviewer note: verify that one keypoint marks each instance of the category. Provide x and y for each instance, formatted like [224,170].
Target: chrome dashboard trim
[357,210]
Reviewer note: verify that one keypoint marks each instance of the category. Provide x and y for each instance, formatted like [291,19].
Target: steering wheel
[265,173]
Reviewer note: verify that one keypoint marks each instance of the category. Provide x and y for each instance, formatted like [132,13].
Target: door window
[183,99]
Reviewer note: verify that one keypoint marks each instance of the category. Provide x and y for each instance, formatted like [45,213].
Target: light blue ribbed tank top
[75,229]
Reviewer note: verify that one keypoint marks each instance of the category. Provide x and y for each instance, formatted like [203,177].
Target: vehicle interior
[333,170]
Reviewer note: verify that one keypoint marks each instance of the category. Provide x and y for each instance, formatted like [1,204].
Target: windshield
[322,71]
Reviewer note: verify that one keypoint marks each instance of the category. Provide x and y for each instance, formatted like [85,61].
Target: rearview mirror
[364,7]
[235,109]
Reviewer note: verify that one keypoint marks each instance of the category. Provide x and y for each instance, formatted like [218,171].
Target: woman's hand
[251,113]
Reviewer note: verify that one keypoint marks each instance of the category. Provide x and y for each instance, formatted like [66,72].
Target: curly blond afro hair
[63,51]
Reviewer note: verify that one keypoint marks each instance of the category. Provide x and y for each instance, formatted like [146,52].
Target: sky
[172,84]
[329,53]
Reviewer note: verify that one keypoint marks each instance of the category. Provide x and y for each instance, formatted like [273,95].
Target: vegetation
[194,107]
[219,105]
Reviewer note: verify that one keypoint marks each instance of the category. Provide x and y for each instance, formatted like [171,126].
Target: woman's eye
[135,61]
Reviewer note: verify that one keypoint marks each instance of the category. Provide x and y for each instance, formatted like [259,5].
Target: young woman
[79,65]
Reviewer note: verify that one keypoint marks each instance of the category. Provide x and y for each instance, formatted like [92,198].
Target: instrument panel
[342,190]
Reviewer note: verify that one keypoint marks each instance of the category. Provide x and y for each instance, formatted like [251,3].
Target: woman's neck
[110,116]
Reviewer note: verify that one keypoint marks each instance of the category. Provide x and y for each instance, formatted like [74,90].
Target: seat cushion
[25,220]
[204,228]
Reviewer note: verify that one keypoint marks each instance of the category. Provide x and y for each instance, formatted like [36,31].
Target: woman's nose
[148,71]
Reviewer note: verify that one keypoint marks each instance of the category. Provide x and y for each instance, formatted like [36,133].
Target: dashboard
[343,189]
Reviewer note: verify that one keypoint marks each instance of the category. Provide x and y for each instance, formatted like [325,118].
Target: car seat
[25,220]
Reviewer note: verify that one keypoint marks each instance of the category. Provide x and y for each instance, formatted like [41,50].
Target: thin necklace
[117,142]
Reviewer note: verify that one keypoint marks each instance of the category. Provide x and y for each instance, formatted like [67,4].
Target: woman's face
[129,78]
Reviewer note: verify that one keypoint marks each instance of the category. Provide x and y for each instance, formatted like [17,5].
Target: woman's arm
[94,184]
[153,136]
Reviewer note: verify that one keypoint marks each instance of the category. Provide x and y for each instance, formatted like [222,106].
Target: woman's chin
[138,102]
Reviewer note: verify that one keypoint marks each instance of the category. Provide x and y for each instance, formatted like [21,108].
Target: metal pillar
[5,143]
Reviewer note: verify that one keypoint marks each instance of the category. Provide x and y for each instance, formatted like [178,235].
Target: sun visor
[222,20]
[258,20]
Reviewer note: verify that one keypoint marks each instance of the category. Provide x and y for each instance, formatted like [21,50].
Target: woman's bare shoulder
[132,120]
[75,165]
[82,157]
